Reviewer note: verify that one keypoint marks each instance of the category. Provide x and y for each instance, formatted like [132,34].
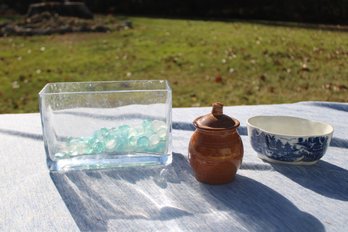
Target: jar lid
[216,120]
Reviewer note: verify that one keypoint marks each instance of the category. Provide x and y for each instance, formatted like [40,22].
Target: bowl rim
[331,129]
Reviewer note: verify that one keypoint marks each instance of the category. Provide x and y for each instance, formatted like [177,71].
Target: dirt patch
[47,23]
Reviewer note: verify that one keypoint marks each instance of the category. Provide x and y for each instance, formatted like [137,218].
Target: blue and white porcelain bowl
[285,139]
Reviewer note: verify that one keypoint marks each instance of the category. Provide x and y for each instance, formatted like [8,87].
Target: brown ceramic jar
[215,149]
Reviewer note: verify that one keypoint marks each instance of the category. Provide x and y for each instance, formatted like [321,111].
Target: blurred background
[236,52]
[316,11]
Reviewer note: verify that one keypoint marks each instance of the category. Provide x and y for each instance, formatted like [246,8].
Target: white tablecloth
[263,197]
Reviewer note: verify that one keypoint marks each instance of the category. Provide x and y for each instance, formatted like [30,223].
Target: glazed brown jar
[215,149]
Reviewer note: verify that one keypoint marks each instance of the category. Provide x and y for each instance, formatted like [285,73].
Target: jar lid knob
[217,109]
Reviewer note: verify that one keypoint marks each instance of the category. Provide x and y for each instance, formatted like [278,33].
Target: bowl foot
[267,159]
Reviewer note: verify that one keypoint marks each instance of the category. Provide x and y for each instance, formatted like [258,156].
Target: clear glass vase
[93,125]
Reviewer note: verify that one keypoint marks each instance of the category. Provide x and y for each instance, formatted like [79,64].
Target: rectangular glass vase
[99,125]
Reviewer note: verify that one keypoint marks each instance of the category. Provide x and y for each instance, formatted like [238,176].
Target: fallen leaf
[218,79]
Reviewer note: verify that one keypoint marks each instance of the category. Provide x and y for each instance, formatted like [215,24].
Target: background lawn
[232,62]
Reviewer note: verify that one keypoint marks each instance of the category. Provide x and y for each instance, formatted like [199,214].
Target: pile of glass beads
[149,137]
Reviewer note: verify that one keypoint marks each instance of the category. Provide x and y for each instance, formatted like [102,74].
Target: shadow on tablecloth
[323,178]
[170,199]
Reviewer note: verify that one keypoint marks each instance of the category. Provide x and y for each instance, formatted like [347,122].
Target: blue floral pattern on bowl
[297,149]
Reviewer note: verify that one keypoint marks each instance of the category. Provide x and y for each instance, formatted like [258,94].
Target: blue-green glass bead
[101,133]
[132,132]
[162,133]
[104,130]
[111,145]
[110,137]
[139,131]
[154,140]
[143,142]
[146,124]
[122,143]
[161,147]
[157,125]
[113,131]
[92,140]
[123,130]
[99,147]
[83,140]
[132,141]
[88,150]
[148,132]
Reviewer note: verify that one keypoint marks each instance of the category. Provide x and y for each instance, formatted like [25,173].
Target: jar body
[215,156]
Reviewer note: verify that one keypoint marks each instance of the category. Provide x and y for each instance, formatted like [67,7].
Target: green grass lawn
[232,62]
